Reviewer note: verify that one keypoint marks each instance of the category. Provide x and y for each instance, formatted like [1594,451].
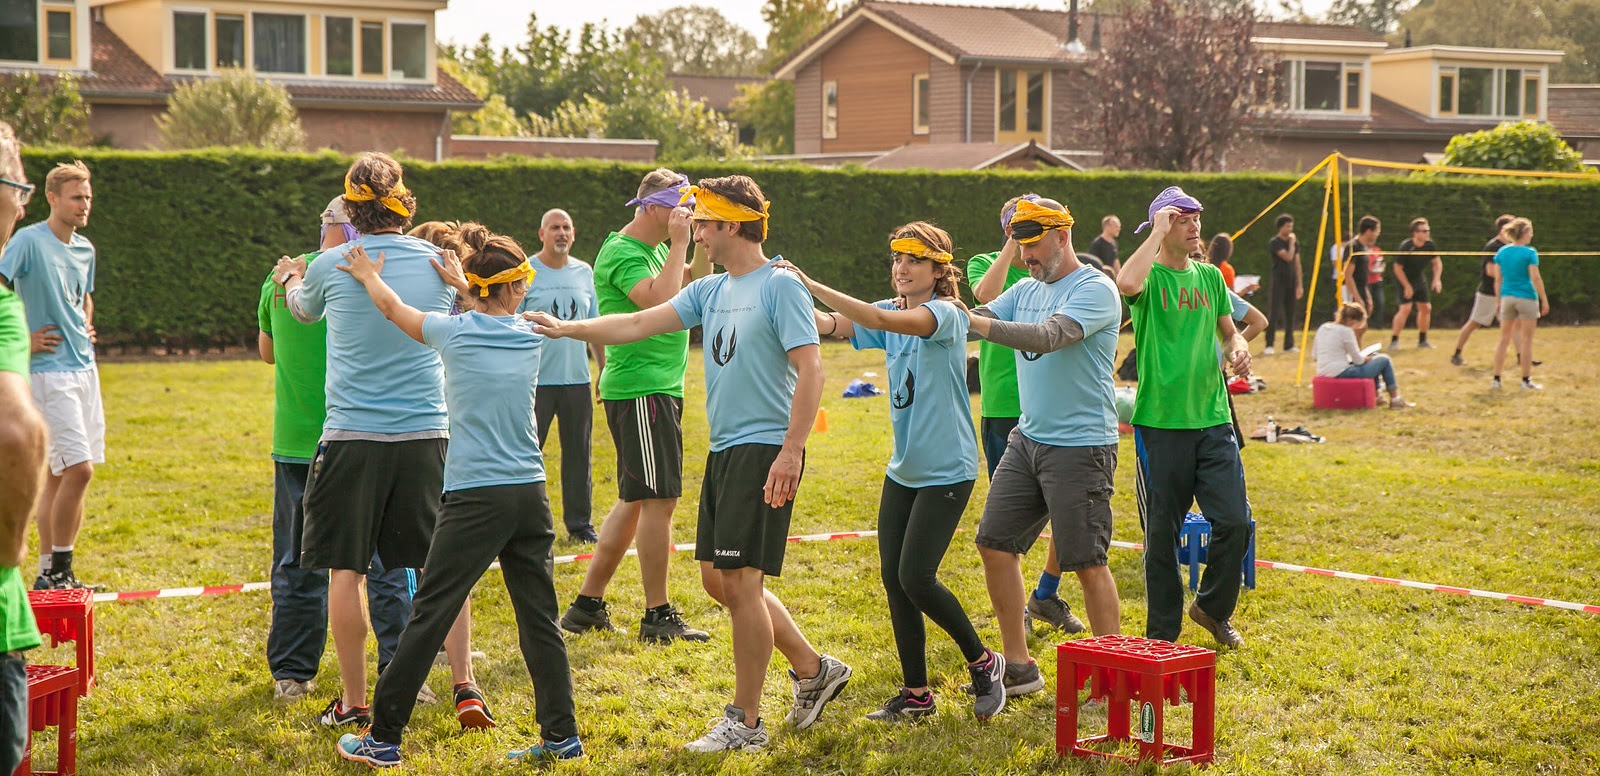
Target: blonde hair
[1352,313]
[659,179]
[65,173]
[1516,230]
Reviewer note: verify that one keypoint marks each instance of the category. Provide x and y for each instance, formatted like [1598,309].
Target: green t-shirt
[17,628]
[300,366]
[997,364]
[1175,334]
[15,344]
[653,365]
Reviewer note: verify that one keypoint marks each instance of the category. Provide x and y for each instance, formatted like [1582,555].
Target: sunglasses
[24,192]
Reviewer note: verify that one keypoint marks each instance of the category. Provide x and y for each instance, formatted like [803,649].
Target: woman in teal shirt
[1522,298]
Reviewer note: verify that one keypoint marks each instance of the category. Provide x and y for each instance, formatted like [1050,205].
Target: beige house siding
[946,118]
[144,25]
[1408,83]
[983,105]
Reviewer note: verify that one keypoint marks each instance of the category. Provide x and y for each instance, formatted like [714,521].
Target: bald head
[556,234]
[1051,257]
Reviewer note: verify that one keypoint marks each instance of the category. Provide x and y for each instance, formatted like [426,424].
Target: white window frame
[355,44]
[210,44]
[1295,76]
[917,106]
[830,114]
[247,61]
[427,57]
[250,43]
[1498,108]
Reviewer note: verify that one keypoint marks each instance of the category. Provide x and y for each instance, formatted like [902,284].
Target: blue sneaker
[569,748]
[363,749]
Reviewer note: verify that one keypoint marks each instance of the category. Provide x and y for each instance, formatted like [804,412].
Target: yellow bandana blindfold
[711,206]
[1032,221]
[911,246]
[522,271]
[363,193]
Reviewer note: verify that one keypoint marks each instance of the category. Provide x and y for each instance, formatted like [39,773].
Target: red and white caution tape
[184,592]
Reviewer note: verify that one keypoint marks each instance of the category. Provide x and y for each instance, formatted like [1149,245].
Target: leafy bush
[186,238]
[233,110]
[44,111]
[1514,145]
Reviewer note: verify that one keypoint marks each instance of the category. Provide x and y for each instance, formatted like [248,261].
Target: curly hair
[382,174]
[491,254]
[946,280]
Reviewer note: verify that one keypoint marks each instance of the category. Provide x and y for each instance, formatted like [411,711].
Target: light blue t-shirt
[380,381]
[568,294]
[1067,396]
[53,278]
[1514,261]
[749,324]
[491,371]
[929,408]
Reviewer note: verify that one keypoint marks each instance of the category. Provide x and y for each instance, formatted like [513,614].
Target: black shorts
[365,497]
[737,528]
[1421,292]
[648,435]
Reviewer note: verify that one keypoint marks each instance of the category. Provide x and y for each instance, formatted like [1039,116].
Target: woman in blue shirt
[935,461]
[1522,298]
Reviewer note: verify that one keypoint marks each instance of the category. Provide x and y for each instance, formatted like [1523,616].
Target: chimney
[1074,45]
[1408,38]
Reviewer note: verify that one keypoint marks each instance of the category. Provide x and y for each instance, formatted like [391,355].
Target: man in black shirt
[1283,254]
[1485,303]
[1105,246]
[1415,261]
[1358,256]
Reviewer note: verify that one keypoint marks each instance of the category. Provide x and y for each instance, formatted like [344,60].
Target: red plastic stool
[1343,393]
[53,702]
[1126,669]
[68,615]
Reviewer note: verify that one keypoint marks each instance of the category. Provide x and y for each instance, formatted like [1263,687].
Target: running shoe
[569,748]
[580,620]
[1425,345]
[43,582]
[293,689]
[1267,351]
[988,685]
[425,694]
[363,749]
[1494,385]
[730,733]
[811,695]
[339,715]
[1021,679]
[585,535]
[1054,611]
[668,626]
[1529,385]
[904,707]
[471,709]
[1221,630]
[1457,360]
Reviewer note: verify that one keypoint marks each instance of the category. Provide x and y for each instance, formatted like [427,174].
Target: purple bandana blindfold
[667,198]
[1172,196]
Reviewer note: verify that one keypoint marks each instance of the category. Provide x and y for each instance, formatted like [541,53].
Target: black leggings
[915,526]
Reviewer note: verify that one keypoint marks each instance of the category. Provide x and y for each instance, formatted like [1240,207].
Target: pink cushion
[1343,393]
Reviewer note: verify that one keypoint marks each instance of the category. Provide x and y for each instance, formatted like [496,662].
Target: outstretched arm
[364,269]
[618,329]
[1047,336]
[916,322]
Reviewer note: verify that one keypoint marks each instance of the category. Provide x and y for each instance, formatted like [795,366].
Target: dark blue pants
[299,630]
[13,710]
[1178,468]
[995,433]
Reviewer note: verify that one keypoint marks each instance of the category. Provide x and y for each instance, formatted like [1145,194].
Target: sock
[589,604]
[61,559]
[1048,584]
[1394,340]
[658,611]
[44,563]
[1423,337]
[1458,351]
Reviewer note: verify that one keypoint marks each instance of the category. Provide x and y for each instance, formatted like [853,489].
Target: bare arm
[264,346]
[837,326]
[916,322]
[674,273]
[1405,282]
[1234,345]
[1048,336]
[1494,272]
[22,454]
[618,329]
[364,269]
[1130,281]
[1255,322]
[1438,273]
[993,282]
[1538,287]
[783,479]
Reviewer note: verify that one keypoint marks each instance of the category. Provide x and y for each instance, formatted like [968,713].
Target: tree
[1177,85]
[696,40]
[494,119]
[234,109]
[45,111]
[1572,26]
[1379,16]
[768,108]
[1514,145]
[683,127]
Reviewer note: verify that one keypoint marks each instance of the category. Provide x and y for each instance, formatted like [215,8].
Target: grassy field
[1470,488]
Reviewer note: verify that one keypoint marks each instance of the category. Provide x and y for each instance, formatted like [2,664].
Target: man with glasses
[51,266]
[1418,258]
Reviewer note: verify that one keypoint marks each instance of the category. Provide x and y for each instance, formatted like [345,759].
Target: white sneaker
[1267,352]
[294,689]
[810,695]
[426,695]
[1292,350]
[1494,385]
[1529,385]
[730,733]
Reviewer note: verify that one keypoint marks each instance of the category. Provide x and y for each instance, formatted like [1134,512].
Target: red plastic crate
[53,703]
[68,615]
[1124,670]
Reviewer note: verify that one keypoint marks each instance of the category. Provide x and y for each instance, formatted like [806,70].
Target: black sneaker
[44,582]
[580,620]
[585,535]
[988,686]
[1221,630]
[1457,360]
[338,715]
[472,711]
[662,627]
[1054,611]
[65,580]
[904,707]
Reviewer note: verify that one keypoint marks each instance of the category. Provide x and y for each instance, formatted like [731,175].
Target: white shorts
[70,404]
[1484,309]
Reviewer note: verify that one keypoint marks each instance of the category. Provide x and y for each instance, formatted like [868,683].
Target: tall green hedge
[185,239]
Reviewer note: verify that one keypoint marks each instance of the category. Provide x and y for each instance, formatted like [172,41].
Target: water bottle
[1272,430]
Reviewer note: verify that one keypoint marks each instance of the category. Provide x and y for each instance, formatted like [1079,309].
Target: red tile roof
[1574,109]
[964,156]
[716,91]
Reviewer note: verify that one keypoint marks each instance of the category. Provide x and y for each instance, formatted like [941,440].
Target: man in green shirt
[22,451]
[997,378]
[1184,435]
[642,390]
[298,353]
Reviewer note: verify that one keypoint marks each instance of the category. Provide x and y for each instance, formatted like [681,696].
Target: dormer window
[38,32]
[1312,86]
[1509,92]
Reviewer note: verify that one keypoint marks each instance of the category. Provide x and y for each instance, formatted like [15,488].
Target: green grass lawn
[1493,491]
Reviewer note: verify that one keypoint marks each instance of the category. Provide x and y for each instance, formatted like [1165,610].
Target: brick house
[891,74]
[363,74]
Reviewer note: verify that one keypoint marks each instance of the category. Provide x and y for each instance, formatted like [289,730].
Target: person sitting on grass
[494,499]
[1338,355]
[935,461]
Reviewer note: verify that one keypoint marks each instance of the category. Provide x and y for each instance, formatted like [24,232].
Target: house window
[280,42]
[1021,101]
[372,48]
[1008,100]
[830,109]
[1447,93]
[919,107]
[229,40]
[1511,91]
[19,30]
[339,42]
[1489,91]
[188,40]
[409,44]
[1352,91]
[1036,102]
[1530,94]
[1475,91]
[1322,86]
[1325,87]
[58,34]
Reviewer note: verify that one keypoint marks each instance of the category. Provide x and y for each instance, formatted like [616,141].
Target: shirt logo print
[717,354]
[903,398]
[572,310]
[1026,356]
